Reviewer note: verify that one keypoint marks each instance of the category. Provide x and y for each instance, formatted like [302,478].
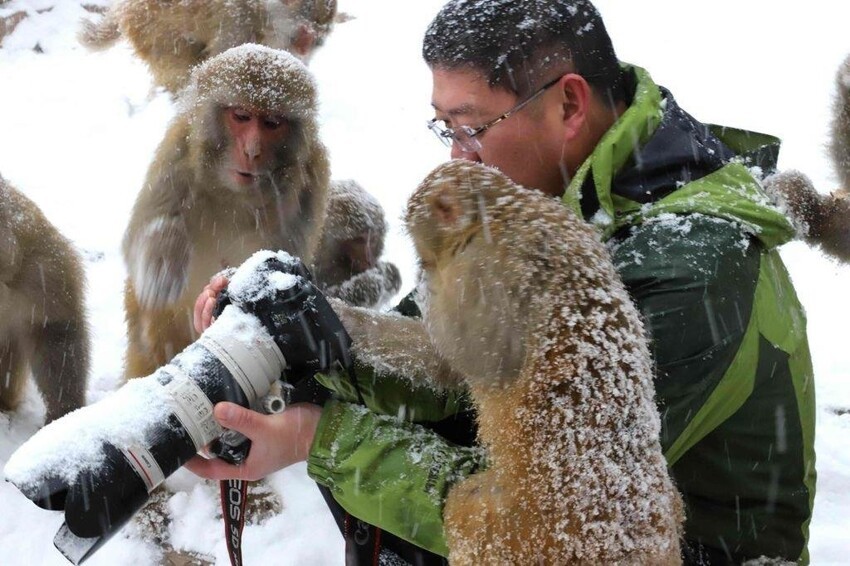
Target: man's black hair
[516,43]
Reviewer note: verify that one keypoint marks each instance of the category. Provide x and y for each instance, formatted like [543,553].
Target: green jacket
[694,239]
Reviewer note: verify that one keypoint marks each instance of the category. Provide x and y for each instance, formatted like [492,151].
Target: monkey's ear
[447,210]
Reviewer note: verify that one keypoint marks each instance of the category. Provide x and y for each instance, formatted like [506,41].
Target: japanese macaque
[522,299]
[43,328]
[241,169]
[173,36]
[347,264]
[823,220]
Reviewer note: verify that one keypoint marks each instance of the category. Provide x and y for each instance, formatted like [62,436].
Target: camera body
[99,463]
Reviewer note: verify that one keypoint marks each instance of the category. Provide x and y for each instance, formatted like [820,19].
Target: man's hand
[277,441]
[205,303]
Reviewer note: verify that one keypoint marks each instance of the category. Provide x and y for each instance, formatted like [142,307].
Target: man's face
[527,146]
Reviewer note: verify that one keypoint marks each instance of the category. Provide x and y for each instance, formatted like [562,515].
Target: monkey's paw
[369,289]
[159,264]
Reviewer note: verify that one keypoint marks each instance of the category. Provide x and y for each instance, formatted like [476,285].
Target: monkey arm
[10,261]
[156,262]
[370,288]
[396,346]
[410,466]
[156,245]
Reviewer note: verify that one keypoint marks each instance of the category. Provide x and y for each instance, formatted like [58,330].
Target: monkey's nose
[253,149]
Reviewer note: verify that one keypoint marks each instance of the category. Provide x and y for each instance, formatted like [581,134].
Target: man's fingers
[214,469]
[240,419]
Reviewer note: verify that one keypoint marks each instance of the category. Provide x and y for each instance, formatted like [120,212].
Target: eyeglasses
[467,137]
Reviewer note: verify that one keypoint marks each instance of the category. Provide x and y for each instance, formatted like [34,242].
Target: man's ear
[576,98]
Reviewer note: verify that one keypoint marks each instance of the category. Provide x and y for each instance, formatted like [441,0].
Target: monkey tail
[839,144]
[102,34]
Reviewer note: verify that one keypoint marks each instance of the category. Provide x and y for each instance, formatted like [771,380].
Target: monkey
[171,37]
[10,22]
[823,220]
[524,302]
[43,324]
[347,264]
[241,168]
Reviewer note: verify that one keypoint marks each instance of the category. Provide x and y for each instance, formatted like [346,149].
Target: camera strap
[234,499]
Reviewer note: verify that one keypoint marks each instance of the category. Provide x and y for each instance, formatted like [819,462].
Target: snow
[253,281]
[77,131]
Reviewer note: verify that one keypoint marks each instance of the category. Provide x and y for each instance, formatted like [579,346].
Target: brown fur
[10,22]
[42,315]
[523,301]
[823,220]
[347,265]
[188,222]
[173,36]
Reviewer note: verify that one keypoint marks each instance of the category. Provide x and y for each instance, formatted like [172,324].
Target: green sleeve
[388,472]
[693,279]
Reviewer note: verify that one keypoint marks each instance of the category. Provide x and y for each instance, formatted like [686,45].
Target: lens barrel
[273,321]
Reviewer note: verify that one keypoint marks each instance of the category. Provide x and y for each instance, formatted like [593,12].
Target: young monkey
[523,301]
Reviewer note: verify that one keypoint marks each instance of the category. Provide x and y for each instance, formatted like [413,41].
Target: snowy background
[77,131]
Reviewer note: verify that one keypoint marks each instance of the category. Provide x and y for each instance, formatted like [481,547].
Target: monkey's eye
[273,122]
[240,115]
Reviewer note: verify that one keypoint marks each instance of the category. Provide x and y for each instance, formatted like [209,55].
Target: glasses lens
[464,138]
[443,134]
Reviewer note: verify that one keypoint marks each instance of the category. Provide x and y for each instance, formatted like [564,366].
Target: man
[534,88]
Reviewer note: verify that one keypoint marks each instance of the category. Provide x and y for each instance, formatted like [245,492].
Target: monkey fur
[823,220]
[172,37]
[188,222]
[43,327]
[522,299]
[355,219]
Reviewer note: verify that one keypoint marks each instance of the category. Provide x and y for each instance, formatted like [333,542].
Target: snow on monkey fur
[523,300]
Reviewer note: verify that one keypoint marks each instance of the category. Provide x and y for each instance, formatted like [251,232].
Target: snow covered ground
[77,131]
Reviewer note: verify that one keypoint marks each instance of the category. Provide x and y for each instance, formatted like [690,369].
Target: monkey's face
[256,139]
[476,296]
[471,312]
[357,254]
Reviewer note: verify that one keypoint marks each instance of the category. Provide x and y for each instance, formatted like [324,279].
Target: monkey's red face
[256,139]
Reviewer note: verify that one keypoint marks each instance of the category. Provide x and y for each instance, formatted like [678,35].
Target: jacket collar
[658,159]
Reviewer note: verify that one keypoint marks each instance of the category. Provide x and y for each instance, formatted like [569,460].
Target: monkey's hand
[371,288]
[795,194]
[158,263]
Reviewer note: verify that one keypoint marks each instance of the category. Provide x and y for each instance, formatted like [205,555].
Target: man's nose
[460,153]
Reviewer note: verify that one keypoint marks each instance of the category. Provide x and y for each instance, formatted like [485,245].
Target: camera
[98,464]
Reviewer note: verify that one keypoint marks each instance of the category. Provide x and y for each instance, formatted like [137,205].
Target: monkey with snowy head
[347,263]
[522,300]
[241,169]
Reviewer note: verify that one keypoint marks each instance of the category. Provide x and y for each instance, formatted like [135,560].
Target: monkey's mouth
[246,177]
